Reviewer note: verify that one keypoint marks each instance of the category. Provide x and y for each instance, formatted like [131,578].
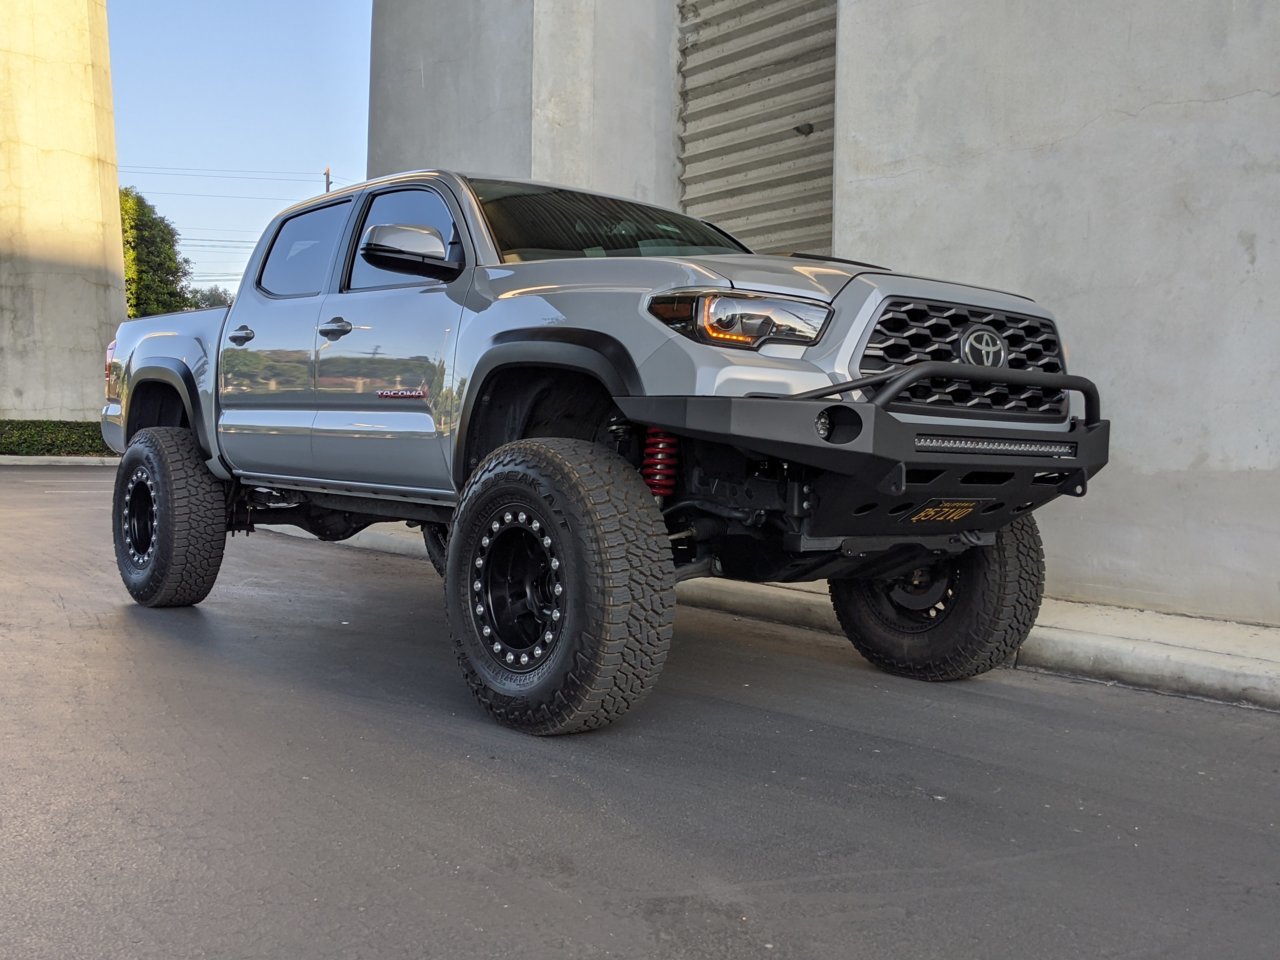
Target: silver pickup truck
[582,400]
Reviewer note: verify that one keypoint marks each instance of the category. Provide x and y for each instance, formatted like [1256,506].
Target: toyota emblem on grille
[983,347]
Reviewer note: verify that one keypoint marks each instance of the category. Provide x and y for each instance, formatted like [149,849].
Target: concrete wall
[61,269]
[450,86]
[1121,164]
[581,92]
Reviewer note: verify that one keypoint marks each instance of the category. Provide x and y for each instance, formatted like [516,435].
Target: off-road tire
[163,486]
[997,597]
[435,537]
[607,543]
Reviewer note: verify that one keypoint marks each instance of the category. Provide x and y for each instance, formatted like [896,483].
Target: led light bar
[1012,448]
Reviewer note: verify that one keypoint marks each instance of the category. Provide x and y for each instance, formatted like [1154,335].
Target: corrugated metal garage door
[757,111]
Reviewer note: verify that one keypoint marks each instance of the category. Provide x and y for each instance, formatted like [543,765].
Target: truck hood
[794,276]
[823,280]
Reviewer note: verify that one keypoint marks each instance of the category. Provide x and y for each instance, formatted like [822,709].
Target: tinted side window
[299,256]
[414,208]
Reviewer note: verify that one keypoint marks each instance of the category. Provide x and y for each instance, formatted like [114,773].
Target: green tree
[155,274]
[214,296]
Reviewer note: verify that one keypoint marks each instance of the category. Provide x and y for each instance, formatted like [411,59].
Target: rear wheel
[560,586]
[169,519]
[953,619]
[435,537]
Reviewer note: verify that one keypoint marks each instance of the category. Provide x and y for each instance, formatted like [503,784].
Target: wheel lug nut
[547,636]
[524,659]
[497,648]
[558,590]
[511,658]
[479,561]
[536,526]
[484,541]
[479,609]
[487,630]
[476,586]
[546,541]
[555,564]
[506,518]
[494,526]
[523,516]
[555,614]
[537,651]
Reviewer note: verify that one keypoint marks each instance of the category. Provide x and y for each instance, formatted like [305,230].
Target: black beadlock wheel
[953,619]
[560,586]
[169,519]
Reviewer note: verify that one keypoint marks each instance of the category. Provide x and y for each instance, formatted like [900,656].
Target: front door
[383,381]
[266,387]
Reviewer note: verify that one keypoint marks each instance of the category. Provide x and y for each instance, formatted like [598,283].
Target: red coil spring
[661,455]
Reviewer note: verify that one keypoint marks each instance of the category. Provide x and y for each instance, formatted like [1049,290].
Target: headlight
[743,320]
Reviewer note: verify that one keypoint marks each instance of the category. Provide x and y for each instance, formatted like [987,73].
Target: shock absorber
[661,456]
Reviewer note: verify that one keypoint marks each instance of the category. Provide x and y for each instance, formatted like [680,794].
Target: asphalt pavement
[296,769]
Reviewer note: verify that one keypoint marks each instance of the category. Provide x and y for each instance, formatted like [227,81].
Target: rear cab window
[298,261]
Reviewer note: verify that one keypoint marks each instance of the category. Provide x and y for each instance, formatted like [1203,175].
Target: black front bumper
[879,476]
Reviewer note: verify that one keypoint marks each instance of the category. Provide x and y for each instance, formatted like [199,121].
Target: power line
[229,173]
[281,173]
[220,229]
[219,176]
[220,196]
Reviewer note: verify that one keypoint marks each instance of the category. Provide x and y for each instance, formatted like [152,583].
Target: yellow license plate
[946,511]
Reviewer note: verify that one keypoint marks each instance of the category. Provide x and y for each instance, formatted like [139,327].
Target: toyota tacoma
[582,400]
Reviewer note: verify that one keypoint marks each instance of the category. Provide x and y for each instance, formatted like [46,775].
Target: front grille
[913,331]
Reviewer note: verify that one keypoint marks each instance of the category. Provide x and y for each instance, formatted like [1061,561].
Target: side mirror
[405,249]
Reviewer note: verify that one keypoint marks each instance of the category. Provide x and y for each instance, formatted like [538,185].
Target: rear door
[384,390]
[266,365]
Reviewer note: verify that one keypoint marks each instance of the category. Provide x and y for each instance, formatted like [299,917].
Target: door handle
[335,328]
[240,335]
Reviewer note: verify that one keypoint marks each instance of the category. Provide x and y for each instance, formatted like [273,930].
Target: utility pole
[327,180]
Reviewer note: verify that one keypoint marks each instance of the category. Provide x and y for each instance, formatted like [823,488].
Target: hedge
[45,438]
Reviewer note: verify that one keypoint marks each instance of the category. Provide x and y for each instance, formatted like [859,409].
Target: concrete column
[61,263]
[1118,163]
[580,92]
[451,86]
[604,97]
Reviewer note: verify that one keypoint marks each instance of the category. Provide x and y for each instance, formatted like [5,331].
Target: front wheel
[560,587]
[953,619]
[169,519]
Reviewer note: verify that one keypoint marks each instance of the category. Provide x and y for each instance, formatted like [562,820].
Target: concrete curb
[1153,665]
[7,460]
[1214,659]
[1217,660]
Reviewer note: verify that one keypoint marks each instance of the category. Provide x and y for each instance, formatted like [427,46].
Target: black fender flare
[583,351]
[178,375]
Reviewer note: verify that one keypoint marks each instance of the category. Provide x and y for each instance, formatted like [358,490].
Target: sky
[226,112]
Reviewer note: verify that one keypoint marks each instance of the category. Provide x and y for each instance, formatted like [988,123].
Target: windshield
[530,221]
